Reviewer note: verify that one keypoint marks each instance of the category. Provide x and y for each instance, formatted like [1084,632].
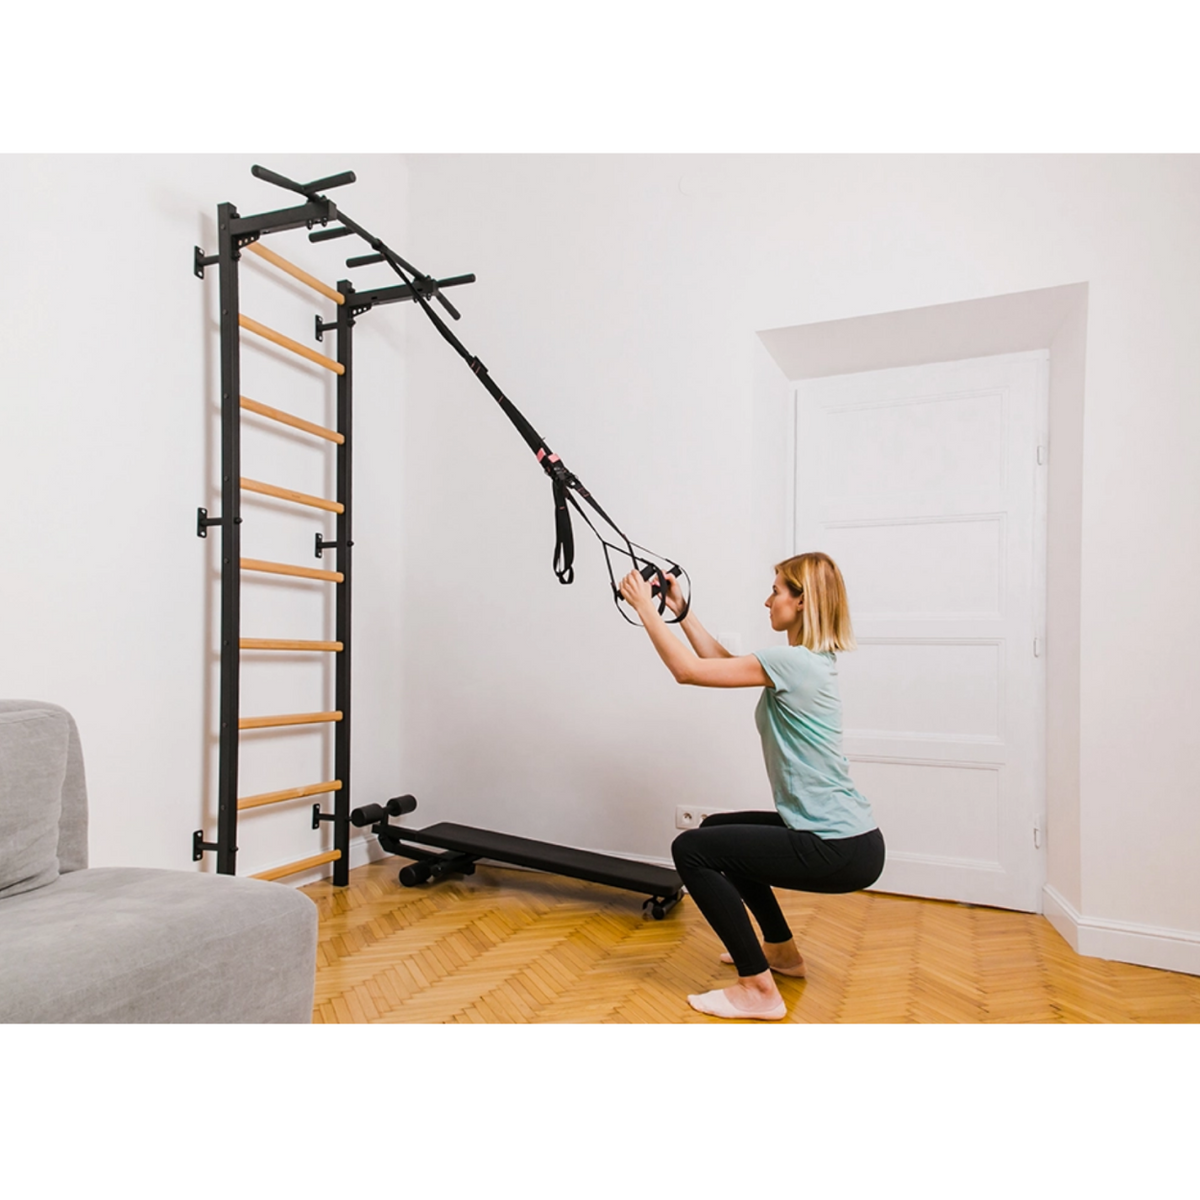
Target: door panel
[923,485]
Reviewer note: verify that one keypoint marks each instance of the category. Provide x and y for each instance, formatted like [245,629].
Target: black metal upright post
[231,542]
[345,551]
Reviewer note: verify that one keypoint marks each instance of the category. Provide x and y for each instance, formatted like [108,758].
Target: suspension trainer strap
[564,484]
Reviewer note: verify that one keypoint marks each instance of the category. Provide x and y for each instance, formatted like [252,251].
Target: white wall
[111,441]
[618,302]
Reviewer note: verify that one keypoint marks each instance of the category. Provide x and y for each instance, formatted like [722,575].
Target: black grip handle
[269,176]
[650,571]
[369,814]
[325,235]
[397,806]
[331,181]
[364,260]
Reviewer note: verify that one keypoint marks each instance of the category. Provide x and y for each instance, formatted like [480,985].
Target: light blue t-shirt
[800,723]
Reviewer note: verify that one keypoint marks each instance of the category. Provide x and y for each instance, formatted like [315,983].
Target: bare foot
[782,957]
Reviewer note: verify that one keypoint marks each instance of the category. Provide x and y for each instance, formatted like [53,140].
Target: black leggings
[733,860]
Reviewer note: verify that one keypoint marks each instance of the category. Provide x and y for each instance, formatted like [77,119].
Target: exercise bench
[457,848]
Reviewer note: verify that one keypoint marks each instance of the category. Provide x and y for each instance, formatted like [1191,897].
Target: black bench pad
[545,856]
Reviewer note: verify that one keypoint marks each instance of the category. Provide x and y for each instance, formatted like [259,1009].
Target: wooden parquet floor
[518,947]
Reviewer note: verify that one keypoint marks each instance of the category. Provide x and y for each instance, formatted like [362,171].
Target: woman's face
[785,608]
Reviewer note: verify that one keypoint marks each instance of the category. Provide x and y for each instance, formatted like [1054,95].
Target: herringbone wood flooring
[515,946]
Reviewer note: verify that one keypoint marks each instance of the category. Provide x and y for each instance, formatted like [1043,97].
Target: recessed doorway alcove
[1053,319]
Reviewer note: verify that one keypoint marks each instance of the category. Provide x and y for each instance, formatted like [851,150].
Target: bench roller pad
[141,945]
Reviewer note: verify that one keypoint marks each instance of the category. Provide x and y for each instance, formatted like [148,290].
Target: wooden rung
[265,410]
[296,867]
[269,489]
[295,272]
[288,719]
[288,343]
[274,568]
[287,644]
[313,789]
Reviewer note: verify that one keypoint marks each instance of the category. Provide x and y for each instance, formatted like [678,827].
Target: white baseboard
[1122,941]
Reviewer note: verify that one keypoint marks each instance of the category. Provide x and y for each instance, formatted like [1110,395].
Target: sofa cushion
[33,764]
[138,944]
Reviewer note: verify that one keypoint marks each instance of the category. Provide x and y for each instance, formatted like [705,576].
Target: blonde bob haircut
[825,617]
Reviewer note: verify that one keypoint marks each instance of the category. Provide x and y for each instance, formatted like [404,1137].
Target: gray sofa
[127,944]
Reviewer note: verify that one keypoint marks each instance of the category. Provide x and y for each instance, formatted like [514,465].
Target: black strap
[423,288]
[564,547]
[565,485]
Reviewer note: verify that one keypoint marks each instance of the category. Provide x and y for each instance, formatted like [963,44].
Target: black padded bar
[325,235]
[330,181]
[545,856]
[269,176]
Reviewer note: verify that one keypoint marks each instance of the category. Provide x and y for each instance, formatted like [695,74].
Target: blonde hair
[825,617]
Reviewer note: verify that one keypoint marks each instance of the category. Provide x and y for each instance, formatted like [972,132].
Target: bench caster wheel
[414,874]
[657,911]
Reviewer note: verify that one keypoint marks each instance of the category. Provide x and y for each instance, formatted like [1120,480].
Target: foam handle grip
[269,176]
[331,181]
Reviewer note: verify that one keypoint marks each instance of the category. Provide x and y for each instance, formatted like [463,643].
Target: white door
[926,485]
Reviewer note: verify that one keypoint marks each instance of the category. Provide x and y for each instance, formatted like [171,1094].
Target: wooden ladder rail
[303,865]
[282,493]
[288,644]
[290,268]
[277,722]
[274,568]
[287,343]
[285,418]
[296,793]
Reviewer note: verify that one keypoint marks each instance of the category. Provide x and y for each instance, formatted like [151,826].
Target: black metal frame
[233,233]
[236,232]
[344,546]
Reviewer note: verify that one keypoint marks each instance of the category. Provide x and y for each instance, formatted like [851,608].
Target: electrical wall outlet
[703,813]
[690,816]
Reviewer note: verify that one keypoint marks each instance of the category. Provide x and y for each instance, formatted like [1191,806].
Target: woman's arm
[687,667]
[703,642]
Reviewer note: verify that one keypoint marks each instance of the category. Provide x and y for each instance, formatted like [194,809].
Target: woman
[822,836]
